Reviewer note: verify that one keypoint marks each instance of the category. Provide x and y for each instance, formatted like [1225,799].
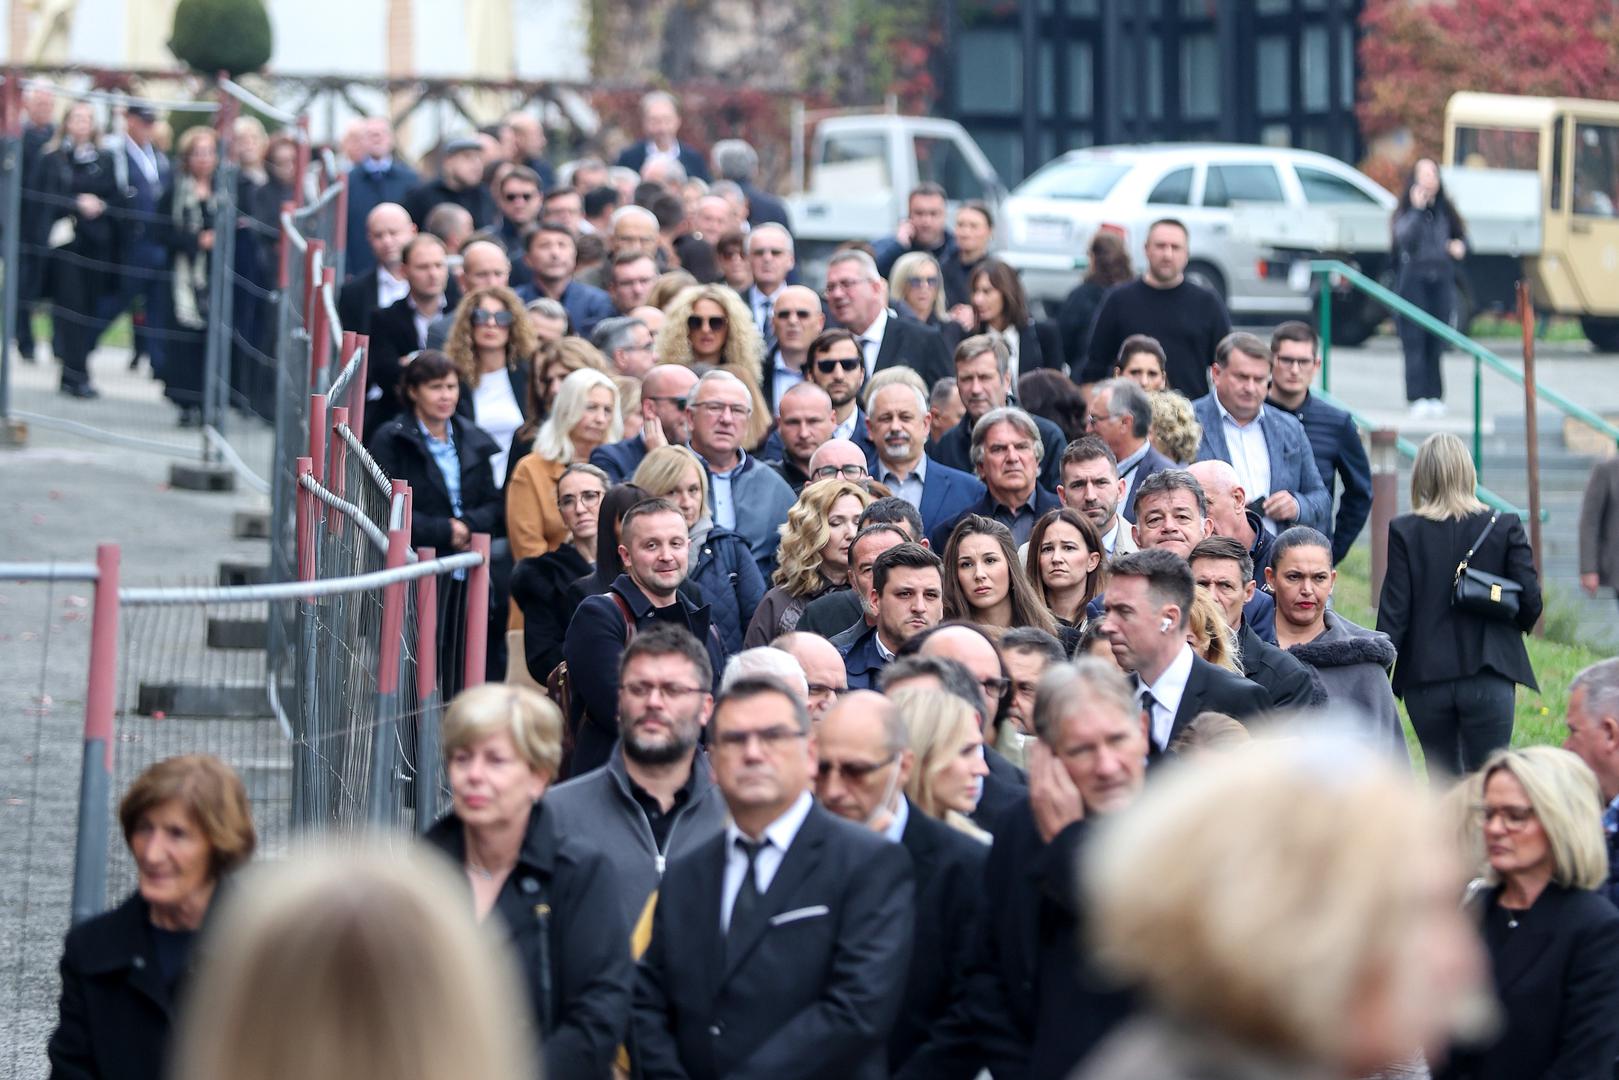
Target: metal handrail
[249,98]
[1482,357]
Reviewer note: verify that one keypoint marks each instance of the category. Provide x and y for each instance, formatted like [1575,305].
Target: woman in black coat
[557,900]
[1456,671]
[79,194]
[185,225]
[1002,311]
[1553,941]
[188,826]
[1429,239]
[540,581]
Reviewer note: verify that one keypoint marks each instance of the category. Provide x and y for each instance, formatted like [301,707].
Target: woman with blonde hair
[711,325]
[1209,635]
[354,965]
[489,336]
[1553,938]
[916,289]
[1459,664]
[947,778]
[584,417]
[719,562]
[1337,951]
[984,584]
[553,363]
[813,557]
[1175,431]
[556,900]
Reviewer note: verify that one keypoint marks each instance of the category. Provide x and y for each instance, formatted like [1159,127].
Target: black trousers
[1435,293]
[76,295]
[1460,722]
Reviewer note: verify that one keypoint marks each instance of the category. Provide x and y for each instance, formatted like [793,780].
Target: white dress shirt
[871,342]
[902,814]
[390,290]
[777,838]
[1167,693]
[1248,453]
[849,427]
[763,306]
[495,409]
[424,319]
[785,378]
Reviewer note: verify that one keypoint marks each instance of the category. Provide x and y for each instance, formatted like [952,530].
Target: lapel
[1214,432]
[801,859]
[1279,478]
[126,946]
[932,495]
[890,343]
[1191,698]
[518,376]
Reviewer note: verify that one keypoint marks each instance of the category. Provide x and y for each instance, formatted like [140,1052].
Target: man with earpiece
[1144,616]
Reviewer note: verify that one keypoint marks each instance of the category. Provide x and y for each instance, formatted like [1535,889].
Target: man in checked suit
[780,948]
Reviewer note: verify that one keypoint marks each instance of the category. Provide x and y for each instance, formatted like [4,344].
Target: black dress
[185,359]
[81,273]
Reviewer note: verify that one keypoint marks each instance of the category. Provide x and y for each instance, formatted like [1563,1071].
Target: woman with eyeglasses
[538,583]
[813,558]
[1552,938]
[983,583]
[719,562]
[488,338]
[585,417]
[1066,565]
[711,325]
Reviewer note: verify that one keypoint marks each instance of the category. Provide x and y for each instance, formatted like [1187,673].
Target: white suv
[1048,221]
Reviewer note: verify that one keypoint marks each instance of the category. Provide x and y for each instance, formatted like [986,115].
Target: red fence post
[337,471]
[427,697]
[283,247]
[317,435]
[303,160]
[477,614]
[384,738]
[357,405]
[306,509]
[320,331]
[95,777]
[340,219]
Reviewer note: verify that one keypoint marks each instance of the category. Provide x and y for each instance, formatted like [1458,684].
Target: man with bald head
[796,319]
[1228,508]
[380,283]
[377,178]
[483,266]
[964,643]
[633,230]
[663,412]
[839,458]
[653,317]
[804,423]
[713,218]
[823,668]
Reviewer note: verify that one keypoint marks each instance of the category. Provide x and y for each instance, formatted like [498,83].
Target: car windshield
[1087,180]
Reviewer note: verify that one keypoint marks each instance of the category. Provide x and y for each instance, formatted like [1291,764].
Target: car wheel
[1202,273]
[1603,333]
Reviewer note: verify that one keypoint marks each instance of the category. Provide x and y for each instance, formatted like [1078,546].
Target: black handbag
[1478,593]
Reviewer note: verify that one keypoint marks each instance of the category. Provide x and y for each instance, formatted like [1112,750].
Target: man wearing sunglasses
[865,761]
[834,364]
[796,320]
[663,414]
[518,197]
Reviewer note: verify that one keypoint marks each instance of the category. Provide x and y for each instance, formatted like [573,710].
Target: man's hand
[1281,506]
[1589,583]
[205,240]
[1052,794]
[652,434]
[460,535]
[905,232]
[89,206]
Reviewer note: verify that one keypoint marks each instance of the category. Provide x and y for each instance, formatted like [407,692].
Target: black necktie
[747,895]
[767,328]
[1147,702]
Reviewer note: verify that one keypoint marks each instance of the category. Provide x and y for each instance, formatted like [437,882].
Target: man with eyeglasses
[796,320]
[858,299]
[803,425]
[865,761]
[551,254]
[655,799]
[654,548]
[770,257]
[627,344]
[1120,414]
[833,363]
[822,666]
[984,383]
[518,196]
[663,422]
[785,940]
[906,598]
[745,495]
[1339,453]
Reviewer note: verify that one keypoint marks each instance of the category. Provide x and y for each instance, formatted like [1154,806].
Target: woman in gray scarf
[186,224]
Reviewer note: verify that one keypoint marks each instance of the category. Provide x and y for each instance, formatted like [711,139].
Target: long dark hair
[614,505]
[1004,280]
[1093,543]
[1027,607]
[1441,201]
[1109,261]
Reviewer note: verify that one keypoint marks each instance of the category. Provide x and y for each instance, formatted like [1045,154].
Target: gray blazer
[1599,524]
[1292,459]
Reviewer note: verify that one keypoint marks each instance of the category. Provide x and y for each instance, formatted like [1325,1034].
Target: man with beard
[1091,485]
[984,384]
[655,798]
[834,365]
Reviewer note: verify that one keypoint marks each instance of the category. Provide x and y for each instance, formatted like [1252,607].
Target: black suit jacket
[393,337]
[1557,977]
[1285,678]
[1005,789]
[809,989]
[907,343]
[633,156]
[357,302]
[1150,463]
[949,897]
[1433,642]
[1214,689]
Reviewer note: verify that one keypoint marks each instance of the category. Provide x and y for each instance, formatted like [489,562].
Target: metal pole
[1531,420]
[1324,328]
[1478,417]
[95,777]
[1385,501]
[390,652]
[1029,25]
[427,698]
[477,614]
[305,776]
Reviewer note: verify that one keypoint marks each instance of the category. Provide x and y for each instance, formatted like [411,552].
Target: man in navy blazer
[552,254]
[378,178]
[780,947]
[663,413]
[660,123]
[984,382]
[143,172]
[1267,447]
[898,420]
[1120,413]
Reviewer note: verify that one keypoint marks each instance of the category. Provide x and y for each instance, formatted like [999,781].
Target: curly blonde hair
[805,534]
[520,339]
[1175,430]
[743,353]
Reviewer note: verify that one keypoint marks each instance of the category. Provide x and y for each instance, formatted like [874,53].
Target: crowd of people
[843,628]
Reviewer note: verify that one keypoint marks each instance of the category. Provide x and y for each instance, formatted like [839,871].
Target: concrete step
[233,573]
[222,701]
[251,524]
[194,476]
[226,633]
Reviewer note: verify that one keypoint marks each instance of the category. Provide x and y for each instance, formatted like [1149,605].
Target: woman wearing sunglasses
[489,338]
[711,324]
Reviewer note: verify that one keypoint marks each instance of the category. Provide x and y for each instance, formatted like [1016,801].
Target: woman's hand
[460,535]
[1457,249]
[89,206]
[964,317]
[205,240]
[1590,583]
[1420,197]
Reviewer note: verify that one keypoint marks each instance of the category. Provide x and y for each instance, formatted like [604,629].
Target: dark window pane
[1241,183]
[1322,188]
[1174,189]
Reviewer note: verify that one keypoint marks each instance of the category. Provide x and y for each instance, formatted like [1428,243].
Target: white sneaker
[1419,409]
[1436,407]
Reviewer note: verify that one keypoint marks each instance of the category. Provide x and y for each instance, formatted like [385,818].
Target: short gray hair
[720,376]
[736,159]
[942,391]
[655,97]
[546,308]
[1083,681]
[769,226]
[1125,395]
[899,375]
[747,687]
[868,265]
[1600,681]
[630,211]
[613,334]
[1006,414]
[765,660]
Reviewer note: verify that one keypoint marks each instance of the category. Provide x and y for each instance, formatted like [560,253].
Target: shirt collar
[449,434]
[919,471]
[387,280]
[780,832]
[1225,414]
[874,332]
[1026,504]
[882,650]
[1128,464]
[727,474]
[902,814]
[1171,684]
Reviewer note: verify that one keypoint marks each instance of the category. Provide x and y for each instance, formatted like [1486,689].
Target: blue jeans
[1460,722]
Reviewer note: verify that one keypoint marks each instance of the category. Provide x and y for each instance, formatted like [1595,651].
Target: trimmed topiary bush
[211,36]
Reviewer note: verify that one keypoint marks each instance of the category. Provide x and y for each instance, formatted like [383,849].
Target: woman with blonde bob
[557,901]
[916,288]
[948,777]
[1458,671]
[813,558]
[711,325]
[719,562]
[584,417]
[1339,949]
[354,965]
[1553,939]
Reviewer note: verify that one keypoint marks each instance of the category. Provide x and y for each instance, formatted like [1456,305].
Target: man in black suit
[1145,616]
[865,761]
[967,645]
[858,299]
[388,229]
[143,172]
[984,383]
[1121,413]
[736,160]
[833,364]
[1223,567]
[401,329]
[779,948]
[797,320]
[660,124]
[38,129]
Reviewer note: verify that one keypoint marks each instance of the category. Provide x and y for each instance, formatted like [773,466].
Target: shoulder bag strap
[1461,567]
[629,616]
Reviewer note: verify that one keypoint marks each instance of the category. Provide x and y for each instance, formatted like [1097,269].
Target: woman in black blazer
[1553,941]
[1002,310]
[1456,671]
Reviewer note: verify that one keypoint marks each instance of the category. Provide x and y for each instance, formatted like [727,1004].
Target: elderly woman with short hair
[556,900]
[1553,939]
[189,827]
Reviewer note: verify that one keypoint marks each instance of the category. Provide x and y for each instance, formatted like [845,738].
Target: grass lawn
[1492,327]
[119,334]
[1539,718]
